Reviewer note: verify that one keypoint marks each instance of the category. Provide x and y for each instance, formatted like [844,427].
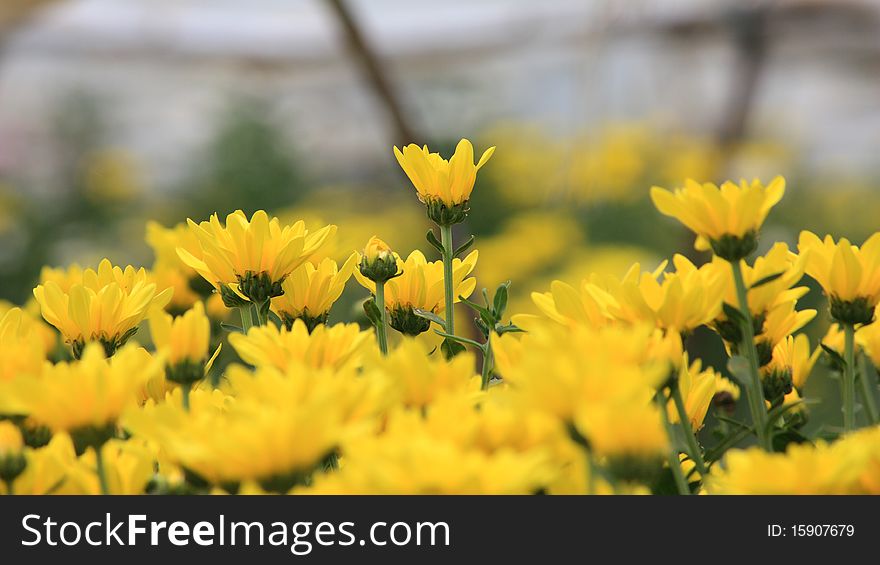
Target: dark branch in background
[372,66]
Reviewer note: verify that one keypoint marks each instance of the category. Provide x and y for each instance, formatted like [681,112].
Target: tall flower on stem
[184,341]
[445,188]
[248,260]
[310,291]
[850,277]
[379,265]
[727,220]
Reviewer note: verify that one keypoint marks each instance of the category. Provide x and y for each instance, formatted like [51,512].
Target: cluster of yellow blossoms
[599,393]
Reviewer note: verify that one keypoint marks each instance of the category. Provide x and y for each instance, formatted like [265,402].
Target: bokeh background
[115,112]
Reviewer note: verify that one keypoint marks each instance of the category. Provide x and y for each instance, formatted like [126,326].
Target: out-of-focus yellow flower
[22,351]
[12,459]
[282,426]
[256,254]
[46,468]
[849,275]
[104,305]
[802,469]
[86,397]
[725,218]
[128,466]
[698,387]
[421,286]
[867,337]
[780,322]
[682,301]
[444,186]
[335,347]
[417,380]
[311,289]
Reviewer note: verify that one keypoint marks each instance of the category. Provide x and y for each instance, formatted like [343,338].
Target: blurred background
[115,112]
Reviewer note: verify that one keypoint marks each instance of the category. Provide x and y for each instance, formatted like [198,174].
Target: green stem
[488,362]
[755,392]
[870,401]
[674,464]
[446,241]
[9,488]
[685,423]
[102,473]
[381,329]
[849,379]
[185,390]
[247,322]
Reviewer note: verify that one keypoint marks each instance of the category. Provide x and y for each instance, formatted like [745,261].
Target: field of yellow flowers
[593,392]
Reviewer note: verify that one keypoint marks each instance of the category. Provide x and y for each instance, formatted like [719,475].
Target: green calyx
[380,269]
[853,312]
[92,436]
[444,215]
[309,320]
[405,320]
[186,372]
[733,247]
[109,343]
[259,287]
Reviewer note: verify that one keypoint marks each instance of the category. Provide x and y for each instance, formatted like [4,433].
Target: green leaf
[500,302]
[459,339]
[734,422]
[836,357]
[429,316]
[733,313]
[778,412]
[740,368]
[372,312]
[231,327]
[273,317]
[766,280]
[726,443]
[450,348]
[464,246]
[509,328]
[432,239]
[481,310]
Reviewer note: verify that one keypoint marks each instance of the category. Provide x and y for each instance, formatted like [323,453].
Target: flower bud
[378,263]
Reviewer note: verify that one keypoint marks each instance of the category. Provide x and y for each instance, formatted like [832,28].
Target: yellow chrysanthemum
[22,351]
[256,254]
[87,394]
[793,356]
[438,180]
[727,218]
[310,290]
[588,304]
[421,287]
[416,379]
[678,301]
[698,387]
[104,305]
[849,275]
[336,347]
[184,343]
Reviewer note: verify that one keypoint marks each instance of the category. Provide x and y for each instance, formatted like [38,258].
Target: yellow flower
[793,355]
[780,322]
[726,218]
[421,286]
[417,380]
[335,347]
[12,460]
[849,275]
[276,431]
[376,249]
[104,305]
[46,468]
[86,397]
[682,301]
[868,337]
[444,186]
[802,469]
[184,343]
[310,290]
[256,254]
[22,351]
[378,263]
[567,305]
[698,387]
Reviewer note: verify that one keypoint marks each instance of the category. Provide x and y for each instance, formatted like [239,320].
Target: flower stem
[9,488]
[870,401]
[446,241]
[488,362]
[185,390]
[674,464]
[755,392]
[99,467]
[247,322]
[381,328]
[685,423]
[849,378]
